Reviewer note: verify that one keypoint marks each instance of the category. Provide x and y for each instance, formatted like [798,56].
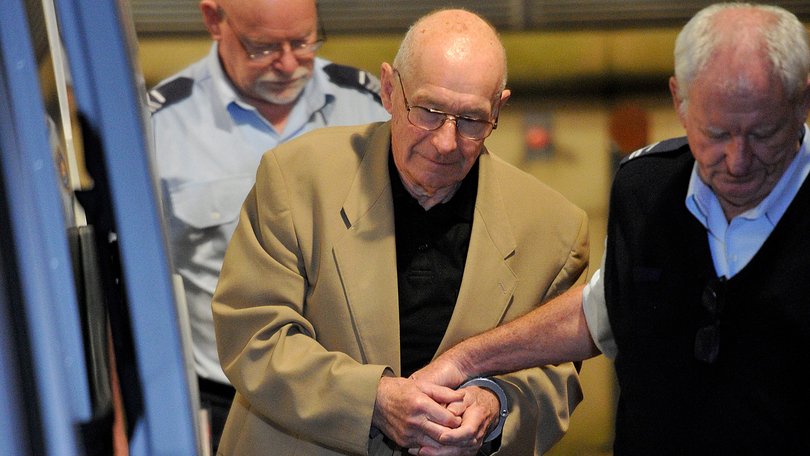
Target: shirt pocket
[211,203]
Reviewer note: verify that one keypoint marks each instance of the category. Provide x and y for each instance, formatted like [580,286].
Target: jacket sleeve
[543,398]
[267,347]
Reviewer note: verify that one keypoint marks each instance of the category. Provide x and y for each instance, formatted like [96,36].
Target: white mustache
[273,78]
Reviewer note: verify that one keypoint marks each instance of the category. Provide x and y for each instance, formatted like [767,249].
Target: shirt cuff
[503,407]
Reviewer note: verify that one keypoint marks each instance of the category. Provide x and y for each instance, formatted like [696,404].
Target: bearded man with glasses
[362,252]
[260,85]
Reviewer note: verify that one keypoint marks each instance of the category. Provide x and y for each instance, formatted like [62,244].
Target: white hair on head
[784,36]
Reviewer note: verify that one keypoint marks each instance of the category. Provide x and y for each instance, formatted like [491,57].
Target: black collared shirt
[431,252]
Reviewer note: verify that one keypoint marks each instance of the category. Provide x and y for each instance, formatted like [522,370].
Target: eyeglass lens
[432,120]
[298,48]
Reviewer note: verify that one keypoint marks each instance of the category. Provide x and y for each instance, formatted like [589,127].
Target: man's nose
[738,156]
[445,138]
[287,62]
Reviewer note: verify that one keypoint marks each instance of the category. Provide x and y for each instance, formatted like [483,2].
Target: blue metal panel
[13,413]
[41,251]
[99,42]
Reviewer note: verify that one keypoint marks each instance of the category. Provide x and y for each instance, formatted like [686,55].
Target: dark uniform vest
[752,399]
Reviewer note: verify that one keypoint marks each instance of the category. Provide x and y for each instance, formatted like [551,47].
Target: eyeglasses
[433,119]
[272,51]
[707,339]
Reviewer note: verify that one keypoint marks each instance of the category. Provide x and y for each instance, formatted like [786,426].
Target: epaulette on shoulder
[346,76]
[169,93]
[668,145]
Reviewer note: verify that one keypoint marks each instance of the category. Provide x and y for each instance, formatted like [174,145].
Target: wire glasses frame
[707,339]
[432,119]
[272,51]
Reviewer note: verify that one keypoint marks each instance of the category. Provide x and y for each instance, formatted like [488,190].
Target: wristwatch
[493,386]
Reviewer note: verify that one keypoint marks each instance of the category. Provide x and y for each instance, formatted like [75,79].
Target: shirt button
[216,215]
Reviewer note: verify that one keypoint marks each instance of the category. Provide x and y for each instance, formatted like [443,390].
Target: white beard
[265,90]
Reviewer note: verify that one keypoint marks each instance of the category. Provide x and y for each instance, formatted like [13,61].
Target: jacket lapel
[488,283]
[366,255]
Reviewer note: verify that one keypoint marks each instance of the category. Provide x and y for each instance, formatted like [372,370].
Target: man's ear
[804,102]
[504,98]
[387,84]
[677,102]
[212,17]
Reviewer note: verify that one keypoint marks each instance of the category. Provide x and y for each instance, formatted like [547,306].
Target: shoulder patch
[668,145]
[169,93]
[346,76]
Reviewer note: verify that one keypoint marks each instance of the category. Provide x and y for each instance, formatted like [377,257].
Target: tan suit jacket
[306,310]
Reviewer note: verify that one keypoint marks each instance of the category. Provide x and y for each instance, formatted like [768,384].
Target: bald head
[454,37]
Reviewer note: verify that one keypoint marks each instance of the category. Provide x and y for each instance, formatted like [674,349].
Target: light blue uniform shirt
[208,146]
[732,244]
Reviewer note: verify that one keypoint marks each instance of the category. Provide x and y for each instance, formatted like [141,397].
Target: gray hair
[784,36]
[404,61]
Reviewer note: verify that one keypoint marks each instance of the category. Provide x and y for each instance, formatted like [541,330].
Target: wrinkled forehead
[461,61]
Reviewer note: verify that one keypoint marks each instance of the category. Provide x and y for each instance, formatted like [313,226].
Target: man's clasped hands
[425,415]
